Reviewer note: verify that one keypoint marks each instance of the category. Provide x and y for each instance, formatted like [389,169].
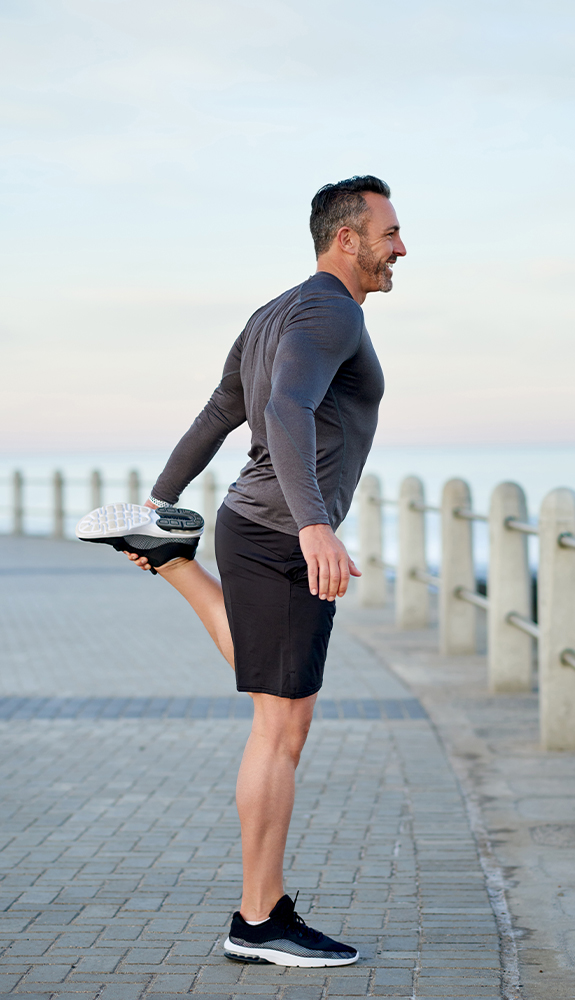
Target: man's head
[355,230]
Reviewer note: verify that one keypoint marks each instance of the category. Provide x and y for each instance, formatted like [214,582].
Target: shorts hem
[291,697]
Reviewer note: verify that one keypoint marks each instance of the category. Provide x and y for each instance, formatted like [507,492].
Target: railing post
[133,487]
[372,582]
[556,592]
[457,625]
[209,515]
[58,513]
[510,652]
[96,488]
[412,597]
[18,504]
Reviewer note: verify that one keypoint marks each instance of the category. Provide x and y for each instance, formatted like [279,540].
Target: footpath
[429,829]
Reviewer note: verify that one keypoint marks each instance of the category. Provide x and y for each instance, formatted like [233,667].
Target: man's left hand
[329,566]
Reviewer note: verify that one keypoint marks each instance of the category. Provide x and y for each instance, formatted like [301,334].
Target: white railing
[510,628]
[56,509]
[57,512]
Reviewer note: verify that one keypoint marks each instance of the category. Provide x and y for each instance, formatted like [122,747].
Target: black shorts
[279,629]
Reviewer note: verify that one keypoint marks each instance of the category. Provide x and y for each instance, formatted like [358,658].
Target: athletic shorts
[280,631]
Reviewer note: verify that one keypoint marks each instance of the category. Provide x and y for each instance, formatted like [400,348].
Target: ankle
[257,913]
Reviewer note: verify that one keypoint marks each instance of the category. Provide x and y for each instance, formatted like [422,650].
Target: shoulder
[329,293]
[325,309]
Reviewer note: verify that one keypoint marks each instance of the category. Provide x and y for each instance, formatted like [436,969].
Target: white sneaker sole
[283,958]
[118,519]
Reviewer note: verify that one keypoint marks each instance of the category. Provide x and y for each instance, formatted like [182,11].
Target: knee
[283,724]
[295,737]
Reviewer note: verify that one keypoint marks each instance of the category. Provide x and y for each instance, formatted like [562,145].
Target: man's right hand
[141,561]
[329,567]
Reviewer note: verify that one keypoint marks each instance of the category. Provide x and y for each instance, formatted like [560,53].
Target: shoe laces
[299,925]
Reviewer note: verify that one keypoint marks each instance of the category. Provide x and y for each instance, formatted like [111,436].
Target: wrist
[152,500]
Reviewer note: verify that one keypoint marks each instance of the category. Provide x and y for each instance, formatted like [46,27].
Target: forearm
[190,457]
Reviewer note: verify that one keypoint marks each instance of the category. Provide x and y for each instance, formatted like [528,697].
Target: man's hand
[141,561]
[328,565]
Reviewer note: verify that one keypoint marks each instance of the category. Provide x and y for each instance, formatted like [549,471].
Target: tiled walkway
[120,852]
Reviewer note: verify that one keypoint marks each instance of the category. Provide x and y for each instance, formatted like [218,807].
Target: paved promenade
[419,802]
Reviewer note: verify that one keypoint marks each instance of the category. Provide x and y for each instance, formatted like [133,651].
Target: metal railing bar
[472,597]
[568,658]
[515,525]
[566,540]
[469,515]
[374,561]
[384,503]
[423,577]
[416,505]
[524,624]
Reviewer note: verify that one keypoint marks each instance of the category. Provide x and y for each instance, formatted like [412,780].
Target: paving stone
[393,977]
[123,991]
[302,993]
[48,973]
[102,962]
[8,980]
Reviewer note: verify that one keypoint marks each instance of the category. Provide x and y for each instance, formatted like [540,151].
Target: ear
[347,240]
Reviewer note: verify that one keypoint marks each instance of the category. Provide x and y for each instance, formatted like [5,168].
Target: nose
[399,246]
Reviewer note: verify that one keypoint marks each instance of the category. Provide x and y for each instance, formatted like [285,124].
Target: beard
[373,266]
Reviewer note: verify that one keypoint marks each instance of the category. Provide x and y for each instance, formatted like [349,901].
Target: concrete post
[96,489]
[510,652]
[412,597]
[456,617]
[209,514]
[556,589]
[133,487]
[372,582]
[18,504]
[58,512]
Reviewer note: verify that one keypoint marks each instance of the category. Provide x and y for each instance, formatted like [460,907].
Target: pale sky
[158,162]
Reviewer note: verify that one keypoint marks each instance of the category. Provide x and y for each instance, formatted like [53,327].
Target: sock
[254,923]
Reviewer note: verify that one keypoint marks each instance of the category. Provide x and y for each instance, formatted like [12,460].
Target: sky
[158,162]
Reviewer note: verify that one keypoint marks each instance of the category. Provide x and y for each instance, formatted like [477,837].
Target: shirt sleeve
[321,336]
[224,411]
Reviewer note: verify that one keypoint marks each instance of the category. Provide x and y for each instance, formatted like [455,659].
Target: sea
[537,468]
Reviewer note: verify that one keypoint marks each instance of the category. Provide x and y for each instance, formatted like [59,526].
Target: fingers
[329,578]
[140,561]
[344,573]
[312,572]
[334,577]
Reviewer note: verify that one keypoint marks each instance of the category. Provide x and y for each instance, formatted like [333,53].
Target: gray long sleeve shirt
[306,378]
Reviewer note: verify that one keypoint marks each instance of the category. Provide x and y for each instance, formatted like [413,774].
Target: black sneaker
[285,939]
[160,535]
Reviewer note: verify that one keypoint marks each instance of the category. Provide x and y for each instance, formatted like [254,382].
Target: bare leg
[265,796]
[204,593]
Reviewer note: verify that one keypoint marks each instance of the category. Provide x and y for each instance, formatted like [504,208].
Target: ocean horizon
[537,468]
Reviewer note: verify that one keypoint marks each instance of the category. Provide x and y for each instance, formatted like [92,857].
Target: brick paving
[119,839]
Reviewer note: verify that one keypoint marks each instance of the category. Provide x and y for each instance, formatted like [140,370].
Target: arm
[320,338]
[223,413]
[322,335]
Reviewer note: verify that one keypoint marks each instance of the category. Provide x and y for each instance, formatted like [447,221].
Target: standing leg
[265,796]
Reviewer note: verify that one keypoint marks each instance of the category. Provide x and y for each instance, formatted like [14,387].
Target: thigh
[280,631]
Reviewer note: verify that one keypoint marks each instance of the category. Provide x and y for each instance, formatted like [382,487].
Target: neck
[346,275]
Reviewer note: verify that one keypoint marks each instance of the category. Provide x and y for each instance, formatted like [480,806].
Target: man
[306,378]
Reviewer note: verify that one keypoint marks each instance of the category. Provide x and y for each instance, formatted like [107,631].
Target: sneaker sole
[117,520]
[237,952]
